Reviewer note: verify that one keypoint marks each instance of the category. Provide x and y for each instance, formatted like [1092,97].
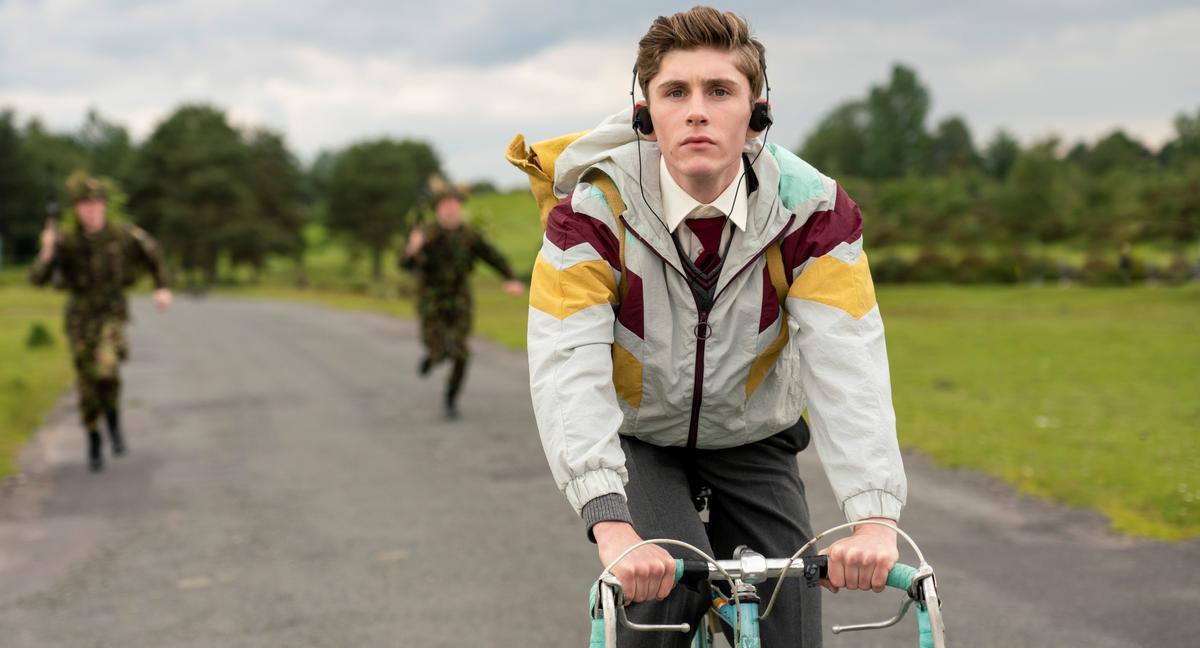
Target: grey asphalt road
[291,484]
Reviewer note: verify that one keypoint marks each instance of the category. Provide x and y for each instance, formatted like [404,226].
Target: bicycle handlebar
[692,572]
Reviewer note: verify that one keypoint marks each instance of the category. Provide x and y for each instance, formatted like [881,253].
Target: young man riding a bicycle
[695,291]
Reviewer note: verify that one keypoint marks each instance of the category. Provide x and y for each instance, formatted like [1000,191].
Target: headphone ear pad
[641,120]
[760,117]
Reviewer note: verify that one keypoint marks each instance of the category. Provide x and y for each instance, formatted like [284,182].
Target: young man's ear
[641,114]
[760,119]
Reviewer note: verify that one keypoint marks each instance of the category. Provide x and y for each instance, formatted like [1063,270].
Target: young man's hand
[646,574]
[863,560]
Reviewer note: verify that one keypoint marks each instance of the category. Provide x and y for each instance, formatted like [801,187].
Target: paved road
[291,484]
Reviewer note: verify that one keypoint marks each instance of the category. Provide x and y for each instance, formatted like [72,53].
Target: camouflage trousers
[98,348]
[445,327]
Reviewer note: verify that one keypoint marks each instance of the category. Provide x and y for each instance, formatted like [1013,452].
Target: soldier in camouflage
[95,265]
[442,255]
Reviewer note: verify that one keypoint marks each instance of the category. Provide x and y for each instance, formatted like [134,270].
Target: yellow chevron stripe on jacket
[833,282]
[562,293]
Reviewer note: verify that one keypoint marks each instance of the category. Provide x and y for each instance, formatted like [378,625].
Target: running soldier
[442,255]
[96,265]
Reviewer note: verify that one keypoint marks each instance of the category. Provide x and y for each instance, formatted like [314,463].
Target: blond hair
[702,27]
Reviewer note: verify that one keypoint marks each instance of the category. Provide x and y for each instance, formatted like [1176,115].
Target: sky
[466,75]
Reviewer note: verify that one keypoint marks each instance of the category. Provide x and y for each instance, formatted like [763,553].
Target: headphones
[760,114]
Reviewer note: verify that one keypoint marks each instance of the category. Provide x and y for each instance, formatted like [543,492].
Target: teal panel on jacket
[798,180]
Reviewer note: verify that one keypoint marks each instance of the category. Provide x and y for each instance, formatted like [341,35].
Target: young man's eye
[720,92]
[676,93]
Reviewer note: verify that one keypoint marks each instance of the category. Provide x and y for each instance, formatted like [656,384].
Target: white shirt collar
[677,203]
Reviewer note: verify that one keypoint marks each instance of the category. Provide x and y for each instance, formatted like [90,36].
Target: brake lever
[923,590]
[614,597]
[878,625]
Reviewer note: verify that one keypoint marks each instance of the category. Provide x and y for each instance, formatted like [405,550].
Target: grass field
[30,379]
[1083,395]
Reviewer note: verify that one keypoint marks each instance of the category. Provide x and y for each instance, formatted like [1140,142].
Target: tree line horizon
[939,205]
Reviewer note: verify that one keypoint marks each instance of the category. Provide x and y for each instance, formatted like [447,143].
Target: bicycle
[739,610]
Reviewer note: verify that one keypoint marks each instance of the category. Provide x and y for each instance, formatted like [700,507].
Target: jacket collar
[678,204]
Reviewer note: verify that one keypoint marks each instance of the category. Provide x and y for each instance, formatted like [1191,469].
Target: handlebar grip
[691,572]
[901,576]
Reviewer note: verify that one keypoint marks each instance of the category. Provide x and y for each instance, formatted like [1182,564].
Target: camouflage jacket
[97,269]
[444,263]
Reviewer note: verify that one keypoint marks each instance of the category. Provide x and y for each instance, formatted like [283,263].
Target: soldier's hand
[514,287]
[162,299]
[49,239]
[415,240]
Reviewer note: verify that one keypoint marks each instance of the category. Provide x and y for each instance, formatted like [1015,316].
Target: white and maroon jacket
[614,350]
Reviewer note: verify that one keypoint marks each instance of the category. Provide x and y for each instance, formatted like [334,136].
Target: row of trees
[213,193]
[216,194]
[933,186]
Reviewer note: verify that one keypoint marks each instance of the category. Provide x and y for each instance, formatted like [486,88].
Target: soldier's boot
[95,450]
[425,367]
[454,386]
[114,432]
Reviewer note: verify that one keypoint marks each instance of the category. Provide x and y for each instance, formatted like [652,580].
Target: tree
[1116,151]
[107,146]
[190,187]
[896,139]
[1186,145]
[20,198]
[950,148]
[1036,202]
[373,189]
[276,187]
[1001,154]
[838,144]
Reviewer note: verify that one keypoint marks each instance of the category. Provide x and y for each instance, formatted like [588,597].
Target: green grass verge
[1086,396]
[30,379]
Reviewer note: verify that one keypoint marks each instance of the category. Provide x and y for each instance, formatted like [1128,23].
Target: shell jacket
[618,344]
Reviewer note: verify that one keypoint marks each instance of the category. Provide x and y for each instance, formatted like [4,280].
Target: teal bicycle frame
[740,610]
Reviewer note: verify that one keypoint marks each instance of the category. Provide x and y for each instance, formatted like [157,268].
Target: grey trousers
[757,500]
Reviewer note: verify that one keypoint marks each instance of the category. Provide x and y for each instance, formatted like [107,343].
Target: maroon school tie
[708,229]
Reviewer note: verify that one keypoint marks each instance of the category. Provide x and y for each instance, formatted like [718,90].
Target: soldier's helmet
[441,188]
[83,186]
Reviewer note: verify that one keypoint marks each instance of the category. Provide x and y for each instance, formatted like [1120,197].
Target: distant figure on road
[442,255]
[96,264]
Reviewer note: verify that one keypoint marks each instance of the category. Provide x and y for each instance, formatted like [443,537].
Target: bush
[891,269]
[1099,270]
[975,268]
[1180,269]
[39,337]
[932,266]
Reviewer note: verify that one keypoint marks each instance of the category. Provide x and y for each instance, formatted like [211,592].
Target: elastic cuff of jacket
[606,508]
[872,503]
[593,484]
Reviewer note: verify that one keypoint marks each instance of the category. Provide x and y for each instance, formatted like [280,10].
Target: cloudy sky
[468,74]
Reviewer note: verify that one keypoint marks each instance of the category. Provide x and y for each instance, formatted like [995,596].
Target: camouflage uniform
[96,270]
[443,268]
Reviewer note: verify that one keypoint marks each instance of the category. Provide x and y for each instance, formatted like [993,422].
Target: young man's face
[91,215]
[700,105]
[449,212]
